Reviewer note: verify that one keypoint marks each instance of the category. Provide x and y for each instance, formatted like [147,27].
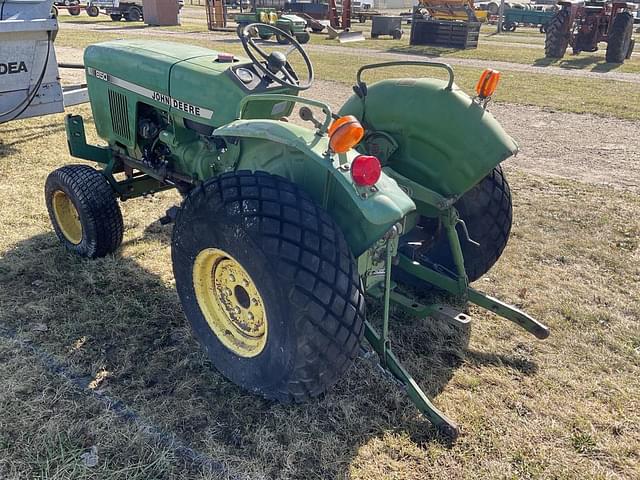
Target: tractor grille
[119,114]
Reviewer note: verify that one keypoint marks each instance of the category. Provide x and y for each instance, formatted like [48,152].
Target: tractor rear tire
[84,211]
[92,11]
[619,38]
[297,275]
[487,212]
[557,36]
[116,17]
[134,14]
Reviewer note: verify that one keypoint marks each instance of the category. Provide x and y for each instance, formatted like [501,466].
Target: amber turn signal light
[345,133]
[488,83]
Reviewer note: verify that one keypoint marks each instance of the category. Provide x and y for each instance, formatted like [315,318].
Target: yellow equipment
[461,10]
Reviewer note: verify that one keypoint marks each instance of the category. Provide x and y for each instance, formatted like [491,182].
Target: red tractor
[585,24]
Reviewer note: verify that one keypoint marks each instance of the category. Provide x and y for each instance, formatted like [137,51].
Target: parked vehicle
[130,11]
[516,16]
[288,23]
[584,25]
[72,6]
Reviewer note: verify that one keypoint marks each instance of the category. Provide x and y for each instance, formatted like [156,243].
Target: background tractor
[292,24]
[585,24]
[283,229]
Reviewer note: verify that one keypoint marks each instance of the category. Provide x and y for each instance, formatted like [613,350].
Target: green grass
[552,91]
[491,51]
[570,94]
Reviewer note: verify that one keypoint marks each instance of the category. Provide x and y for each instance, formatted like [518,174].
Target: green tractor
[284,230]
[288,23]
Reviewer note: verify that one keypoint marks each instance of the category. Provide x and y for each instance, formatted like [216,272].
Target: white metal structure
[29,78]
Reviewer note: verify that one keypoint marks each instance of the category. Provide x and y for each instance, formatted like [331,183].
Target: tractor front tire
[116,17]
[84,211]
[269,285]
[557,37]
[619,38]
[487,212]
[303,37]
[282,40]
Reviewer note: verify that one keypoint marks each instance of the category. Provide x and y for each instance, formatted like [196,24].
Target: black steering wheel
[275,64]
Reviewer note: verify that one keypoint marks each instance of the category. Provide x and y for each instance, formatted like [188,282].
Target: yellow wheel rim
[230,302]
[67,217]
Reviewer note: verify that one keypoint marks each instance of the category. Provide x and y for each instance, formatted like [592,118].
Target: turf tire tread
[94,198]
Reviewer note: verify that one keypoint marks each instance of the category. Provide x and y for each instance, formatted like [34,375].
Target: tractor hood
[190,82]
[443,140]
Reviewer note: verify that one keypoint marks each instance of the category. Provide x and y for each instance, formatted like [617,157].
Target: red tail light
[365,170]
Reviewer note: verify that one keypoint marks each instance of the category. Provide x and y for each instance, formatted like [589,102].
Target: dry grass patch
[563,408]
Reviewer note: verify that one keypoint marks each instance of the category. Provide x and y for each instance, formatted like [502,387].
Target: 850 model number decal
[159,97]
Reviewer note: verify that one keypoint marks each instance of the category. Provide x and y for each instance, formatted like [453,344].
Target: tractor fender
[300,155]
[442,139]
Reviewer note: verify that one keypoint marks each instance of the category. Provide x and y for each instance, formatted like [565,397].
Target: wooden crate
[444,33]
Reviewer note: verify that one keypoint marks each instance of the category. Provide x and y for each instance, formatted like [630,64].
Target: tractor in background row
[585,24]
[288,23]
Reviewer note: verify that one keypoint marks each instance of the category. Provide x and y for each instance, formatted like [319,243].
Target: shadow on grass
[422,50]
[27,134]
[589,62]
[114,315]
[106,25]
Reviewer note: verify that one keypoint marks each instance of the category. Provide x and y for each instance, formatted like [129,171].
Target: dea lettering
[12,67]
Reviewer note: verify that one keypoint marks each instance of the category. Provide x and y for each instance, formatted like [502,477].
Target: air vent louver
[119,114]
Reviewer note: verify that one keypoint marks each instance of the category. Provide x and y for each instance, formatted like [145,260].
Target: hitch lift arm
[443,209]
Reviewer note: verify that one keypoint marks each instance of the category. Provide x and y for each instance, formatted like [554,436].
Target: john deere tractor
[292,24]
[283,230]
